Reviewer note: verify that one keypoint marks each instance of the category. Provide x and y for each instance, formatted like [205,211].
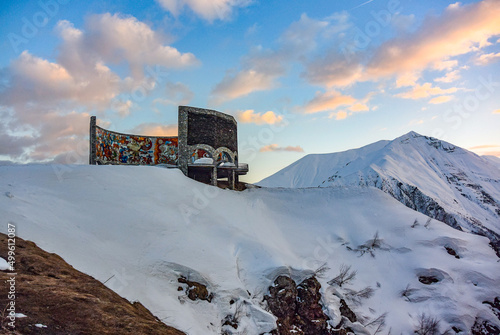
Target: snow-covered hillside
[436,178]
[139,229]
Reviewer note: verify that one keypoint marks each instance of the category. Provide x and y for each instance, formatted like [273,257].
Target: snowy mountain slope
[436,178]
[141,228]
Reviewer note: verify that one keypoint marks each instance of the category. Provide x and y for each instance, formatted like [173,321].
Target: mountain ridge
[434,177]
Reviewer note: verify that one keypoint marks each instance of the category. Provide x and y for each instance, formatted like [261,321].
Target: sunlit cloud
[327,101]
[250,116]
[496,111]
[441,99]
[155,129]
[485,59]
[275,147]
[461,29]
[340,115]
[424,91]
[243,83]
[359,107]
[48,103]
[115,38]
[488,149]
[407,79]
[449,77]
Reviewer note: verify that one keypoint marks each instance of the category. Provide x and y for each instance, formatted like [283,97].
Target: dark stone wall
[211,129]
[204,127]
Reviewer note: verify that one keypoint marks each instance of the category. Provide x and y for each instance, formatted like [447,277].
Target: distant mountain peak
[414,137]
[434,177]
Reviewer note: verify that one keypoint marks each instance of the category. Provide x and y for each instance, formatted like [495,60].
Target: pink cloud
[441,99]
[327,101]
[424,91]
[275,147]
[461,29]
[250,116]
[48,103]
[155,129]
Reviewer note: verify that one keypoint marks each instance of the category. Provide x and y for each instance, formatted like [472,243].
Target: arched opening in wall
[201,165]
[201,156]
[225,161]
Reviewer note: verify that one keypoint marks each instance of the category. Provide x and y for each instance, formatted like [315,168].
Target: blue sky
[299,76]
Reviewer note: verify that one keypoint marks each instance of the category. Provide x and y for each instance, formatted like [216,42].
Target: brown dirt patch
[52,293]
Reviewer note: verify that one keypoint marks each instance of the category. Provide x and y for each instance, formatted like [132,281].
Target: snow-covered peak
[417,141]
[435,177]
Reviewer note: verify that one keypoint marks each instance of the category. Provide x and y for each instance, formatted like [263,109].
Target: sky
[300,77]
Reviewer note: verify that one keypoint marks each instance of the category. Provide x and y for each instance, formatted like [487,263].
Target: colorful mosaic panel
[200,153]
[116,148]
[224,157]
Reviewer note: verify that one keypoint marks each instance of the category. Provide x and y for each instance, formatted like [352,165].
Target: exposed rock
[196,291]
[495,306]
[347,312]
[281,301]
[452,252]
[309,309]
[484,327]
[427,280]
[298,307]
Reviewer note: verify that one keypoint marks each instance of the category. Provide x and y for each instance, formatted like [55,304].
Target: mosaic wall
[116,148]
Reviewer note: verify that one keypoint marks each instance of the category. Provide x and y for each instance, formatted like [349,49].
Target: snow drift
[139,229]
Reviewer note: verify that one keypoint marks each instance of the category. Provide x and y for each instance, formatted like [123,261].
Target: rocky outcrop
[412,197]
[298,307]
[194,290]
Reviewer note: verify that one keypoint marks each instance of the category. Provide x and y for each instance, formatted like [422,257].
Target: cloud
[488,149]
[177,94]
[300,35]
[461,29]
[275,147]
[441,99]
[424,91]
[207,10]
[261,68]
[250,116]
[46,104]
[117,38]
[333,70]
[155,129]
[407,79]
[340,115]
[327,101]
[122,107]
[243,83]
[485,59]
[496,111]
[449,77]
[359,107]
